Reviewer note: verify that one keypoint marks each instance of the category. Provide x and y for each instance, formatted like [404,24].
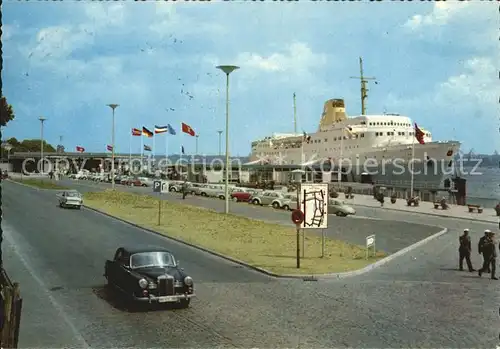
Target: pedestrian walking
[480,249]
[464,251]
[489,254]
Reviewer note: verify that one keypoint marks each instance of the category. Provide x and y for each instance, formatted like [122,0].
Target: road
[416,300]
[391,236]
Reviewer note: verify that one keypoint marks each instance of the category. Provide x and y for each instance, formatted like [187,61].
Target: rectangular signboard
[313,200]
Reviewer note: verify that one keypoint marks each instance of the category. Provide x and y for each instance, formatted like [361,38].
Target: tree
[28,145]
[7,113]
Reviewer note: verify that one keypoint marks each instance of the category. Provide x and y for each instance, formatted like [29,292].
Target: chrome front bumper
[165,299]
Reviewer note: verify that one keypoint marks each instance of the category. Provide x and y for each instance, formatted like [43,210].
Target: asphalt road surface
[391,236]
[417,300]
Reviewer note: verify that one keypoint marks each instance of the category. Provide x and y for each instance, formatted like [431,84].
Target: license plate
[165,299]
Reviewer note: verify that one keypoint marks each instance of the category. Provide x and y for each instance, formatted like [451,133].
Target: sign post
[370,242]
[313,202]
[322,243]
[160,187]
[298,218]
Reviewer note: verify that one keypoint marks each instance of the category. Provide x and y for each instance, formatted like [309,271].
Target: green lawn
[262,244]
[42,184]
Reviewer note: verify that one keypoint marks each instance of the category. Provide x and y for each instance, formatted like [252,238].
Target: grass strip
[261,244]
[42,184]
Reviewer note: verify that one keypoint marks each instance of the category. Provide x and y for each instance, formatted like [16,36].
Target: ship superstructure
[385,141]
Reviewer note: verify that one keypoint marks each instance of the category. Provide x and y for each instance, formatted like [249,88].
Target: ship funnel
[333,111]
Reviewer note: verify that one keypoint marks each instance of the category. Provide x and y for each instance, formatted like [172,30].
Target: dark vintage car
[149,274]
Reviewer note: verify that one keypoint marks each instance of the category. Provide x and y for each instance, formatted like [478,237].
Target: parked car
[266,198]
[242,196]
[146,181]
[279,202]
[70,198]
[221,193]
[176,186]
[133,182]
[149,275]
[340,208]
[289,202]
[195,188]
[211,190]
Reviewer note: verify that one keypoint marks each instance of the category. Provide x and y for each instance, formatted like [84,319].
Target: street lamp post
[220,141]
[197,144]
[113,107]
[227,69]
[42,120]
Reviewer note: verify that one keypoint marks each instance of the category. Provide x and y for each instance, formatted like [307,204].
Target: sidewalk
[454,211]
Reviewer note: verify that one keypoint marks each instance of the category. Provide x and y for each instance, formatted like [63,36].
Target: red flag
[136,132]
[109,147]
[419,135]
[188,129]
[80,149]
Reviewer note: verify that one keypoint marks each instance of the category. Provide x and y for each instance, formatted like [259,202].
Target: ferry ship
[378,149]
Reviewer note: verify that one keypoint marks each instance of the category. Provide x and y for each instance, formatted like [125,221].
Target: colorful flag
[136,132]
[419,135]
[147,132]
[109,147]
[182,149]
[161,129]
[80,149]
[147,147]
[171,130]
[188,129]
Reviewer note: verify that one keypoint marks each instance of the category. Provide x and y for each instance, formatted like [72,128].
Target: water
[483,188]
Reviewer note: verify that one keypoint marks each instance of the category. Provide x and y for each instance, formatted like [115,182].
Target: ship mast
[294,115]
[364,80]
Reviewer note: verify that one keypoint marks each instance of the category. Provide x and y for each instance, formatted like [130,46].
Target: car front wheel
[276,205]
[286,208]
[255,202]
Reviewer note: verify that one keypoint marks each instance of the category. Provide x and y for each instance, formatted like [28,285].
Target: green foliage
[7,112]
[29,145]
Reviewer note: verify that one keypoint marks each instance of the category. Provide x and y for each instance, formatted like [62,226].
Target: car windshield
[72,194]
[152,259]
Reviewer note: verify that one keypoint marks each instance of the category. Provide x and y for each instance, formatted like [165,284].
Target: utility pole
[294,115]
[42,120]
[197,144]
[364,80]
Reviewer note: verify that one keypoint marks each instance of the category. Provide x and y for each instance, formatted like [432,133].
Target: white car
[70,198]
[287,203]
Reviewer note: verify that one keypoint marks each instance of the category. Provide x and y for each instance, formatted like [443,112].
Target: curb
[426,213]
[304,277]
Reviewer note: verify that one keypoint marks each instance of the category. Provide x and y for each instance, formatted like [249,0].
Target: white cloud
[440,15]
[298,58]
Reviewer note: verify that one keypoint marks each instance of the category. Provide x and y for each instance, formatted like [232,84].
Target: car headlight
[188,281]
[143,283]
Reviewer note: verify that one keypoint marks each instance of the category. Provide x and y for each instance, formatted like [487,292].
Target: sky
[434,62]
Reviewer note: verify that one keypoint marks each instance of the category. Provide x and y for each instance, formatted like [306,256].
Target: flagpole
[412,162]
[142,149]
[180,165]
[130,153]
[166,147]
[154,147]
